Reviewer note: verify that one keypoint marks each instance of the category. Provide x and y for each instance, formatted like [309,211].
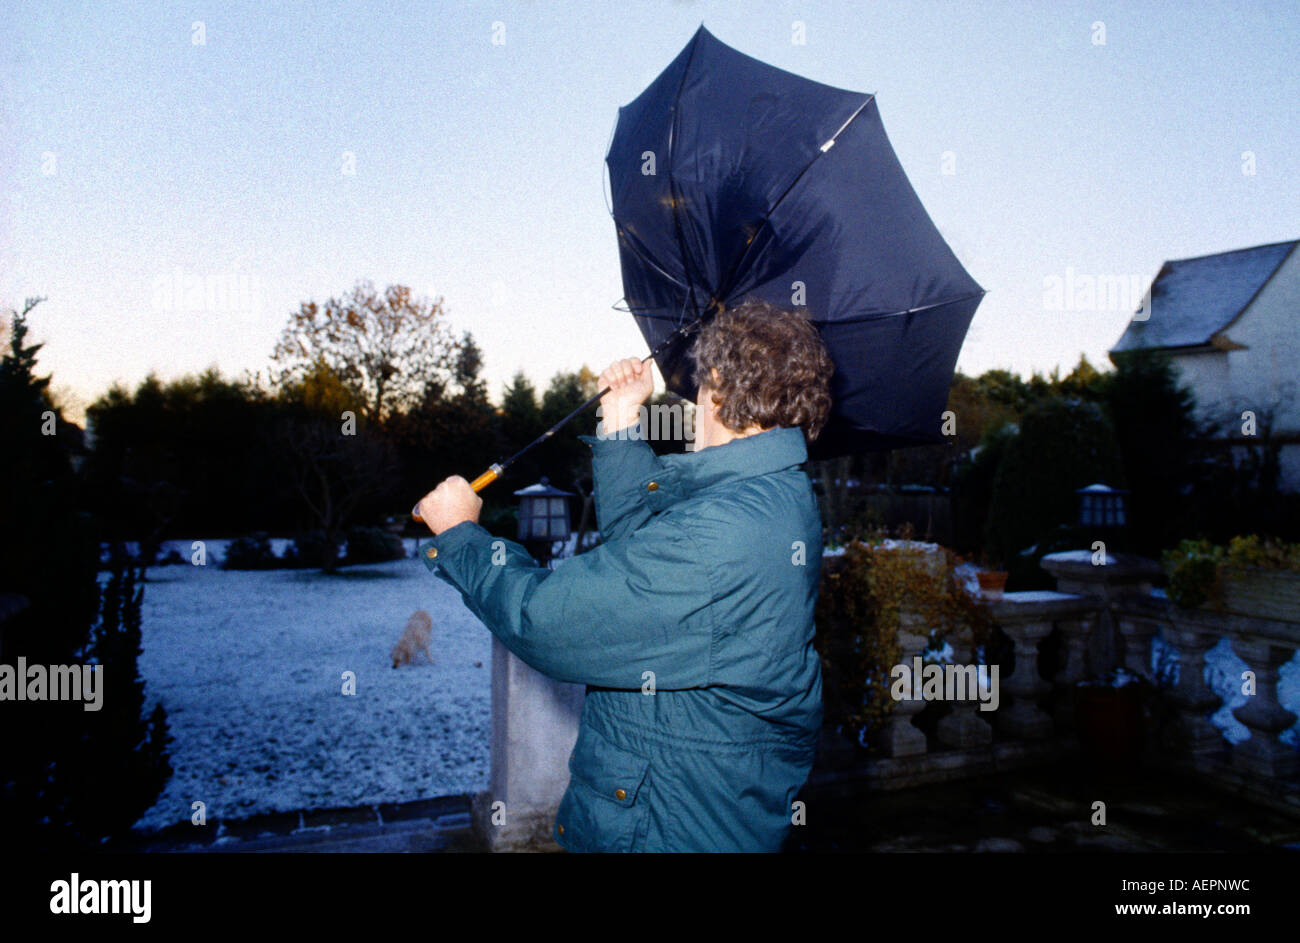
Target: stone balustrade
[1106,615]
[1101,616]
[1264,761]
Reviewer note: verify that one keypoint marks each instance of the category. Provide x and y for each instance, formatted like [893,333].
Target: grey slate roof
[1193,299]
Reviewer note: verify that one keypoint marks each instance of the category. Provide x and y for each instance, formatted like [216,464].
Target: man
[692,622]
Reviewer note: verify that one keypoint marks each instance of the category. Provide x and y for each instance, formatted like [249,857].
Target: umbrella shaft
[497,470]
[502,466]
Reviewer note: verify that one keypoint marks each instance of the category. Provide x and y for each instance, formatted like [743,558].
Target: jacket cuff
[448,551]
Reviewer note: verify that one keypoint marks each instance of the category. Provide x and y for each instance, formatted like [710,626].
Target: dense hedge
[373,545]
[1062,445]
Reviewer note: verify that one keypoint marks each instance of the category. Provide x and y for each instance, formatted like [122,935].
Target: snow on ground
[249,666]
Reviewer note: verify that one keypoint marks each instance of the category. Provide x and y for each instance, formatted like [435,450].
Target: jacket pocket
[605,807]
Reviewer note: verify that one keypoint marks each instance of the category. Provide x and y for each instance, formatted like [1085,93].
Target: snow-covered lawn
[250,665]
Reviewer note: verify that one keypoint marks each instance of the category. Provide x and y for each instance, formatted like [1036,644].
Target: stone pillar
[534,728]
[900,737]
[1193,733]
[1120,575]
[1025,718]
[1264,755]
[964,728]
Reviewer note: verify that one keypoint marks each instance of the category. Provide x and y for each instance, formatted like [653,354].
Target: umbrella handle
[478,484]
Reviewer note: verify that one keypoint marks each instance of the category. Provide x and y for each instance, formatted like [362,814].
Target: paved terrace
[1040,810]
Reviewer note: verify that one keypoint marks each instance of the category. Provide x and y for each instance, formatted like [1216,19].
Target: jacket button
[653,486]
[620,794]
[431,553]
[561,829]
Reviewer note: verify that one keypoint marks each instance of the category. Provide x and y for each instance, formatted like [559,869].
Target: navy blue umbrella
[733,179]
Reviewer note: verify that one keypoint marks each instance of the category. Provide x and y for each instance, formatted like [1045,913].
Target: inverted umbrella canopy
[732,179]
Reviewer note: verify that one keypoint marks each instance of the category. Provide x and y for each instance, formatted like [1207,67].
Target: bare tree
[333,458]
[333,473]
[387,345]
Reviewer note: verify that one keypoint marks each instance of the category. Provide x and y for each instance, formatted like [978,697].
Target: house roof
[1191,300]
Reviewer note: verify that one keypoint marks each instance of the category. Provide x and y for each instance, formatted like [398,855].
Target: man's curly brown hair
[771,368]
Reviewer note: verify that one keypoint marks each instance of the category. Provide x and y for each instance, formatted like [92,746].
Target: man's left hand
[452,502]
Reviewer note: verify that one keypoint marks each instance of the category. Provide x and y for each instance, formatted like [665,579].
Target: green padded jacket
[691,625]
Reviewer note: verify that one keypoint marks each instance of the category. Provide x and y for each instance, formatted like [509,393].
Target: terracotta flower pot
[992,583]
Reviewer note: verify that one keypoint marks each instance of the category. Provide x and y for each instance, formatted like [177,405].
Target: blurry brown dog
[416,639]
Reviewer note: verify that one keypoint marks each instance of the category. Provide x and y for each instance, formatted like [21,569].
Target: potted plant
[992,576]
[862,597]
[1193,571]
[1110,719]
[1253,576]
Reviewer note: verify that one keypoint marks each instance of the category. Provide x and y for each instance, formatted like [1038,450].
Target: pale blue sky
[129,156]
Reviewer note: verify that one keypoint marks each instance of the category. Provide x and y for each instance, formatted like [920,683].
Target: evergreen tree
[69,778]
[38,501]
[566,459]
[468,369]
[1154,426]
[1062,445]
[521,423]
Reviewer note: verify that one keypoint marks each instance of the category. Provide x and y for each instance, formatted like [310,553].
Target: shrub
[861,598]
[250,553]
[312,548]
[1267,552]
[1193,570]
[972,488]
[499,521]
[373,545]
[1062,445]
[172,558]
[72,779]
[120,735]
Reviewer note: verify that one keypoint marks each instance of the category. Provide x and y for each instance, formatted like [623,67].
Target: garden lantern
[543,516]
[1102,507]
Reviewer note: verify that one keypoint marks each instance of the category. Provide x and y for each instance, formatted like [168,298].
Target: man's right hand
[630,384]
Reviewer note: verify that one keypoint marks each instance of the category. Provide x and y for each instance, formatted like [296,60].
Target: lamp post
[543,518]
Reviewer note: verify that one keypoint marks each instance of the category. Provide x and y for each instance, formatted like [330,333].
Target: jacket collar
[683,474]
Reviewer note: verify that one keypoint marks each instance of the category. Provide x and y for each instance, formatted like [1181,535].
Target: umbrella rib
[893,314]
[626,234]
[672,188]
[826,146]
